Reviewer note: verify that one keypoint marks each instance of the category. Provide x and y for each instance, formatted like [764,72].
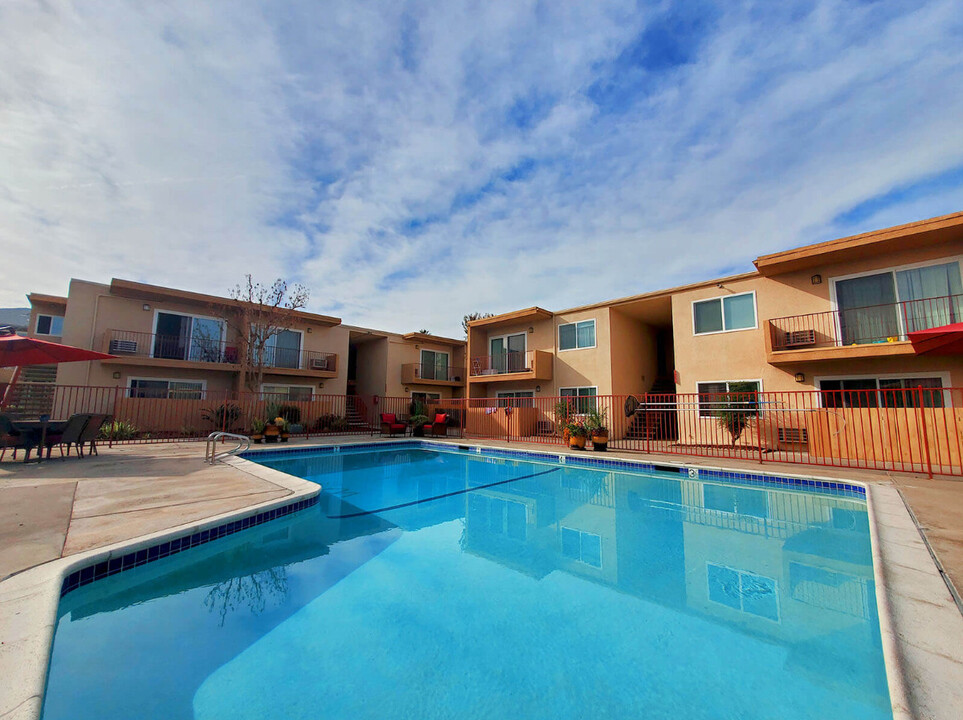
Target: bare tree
[263,313]
[473,316]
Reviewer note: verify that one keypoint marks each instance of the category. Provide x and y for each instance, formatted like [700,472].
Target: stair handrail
[210,450]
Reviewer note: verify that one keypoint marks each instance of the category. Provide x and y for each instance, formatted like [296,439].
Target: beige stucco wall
[371,373]
[633,354]
[584,366]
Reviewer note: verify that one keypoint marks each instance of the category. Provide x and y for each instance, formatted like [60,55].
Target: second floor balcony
[529,365]
[862,331]
[174,350]
[432,374]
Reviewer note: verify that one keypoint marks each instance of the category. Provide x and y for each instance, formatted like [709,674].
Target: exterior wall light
[320,384]
[538,388]
[146,307]
[116,375]
[531,329]
[816,279]
[800,377]
[308,330]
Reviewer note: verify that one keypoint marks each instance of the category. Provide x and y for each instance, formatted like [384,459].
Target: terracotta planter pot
[257,438]
[577,442]
[600,442]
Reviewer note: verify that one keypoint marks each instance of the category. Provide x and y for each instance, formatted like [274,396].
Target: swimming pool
[432,582]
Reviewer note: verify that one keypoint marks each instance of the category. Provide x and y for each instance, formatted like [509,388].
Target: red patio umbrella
[944,340]
[20,351]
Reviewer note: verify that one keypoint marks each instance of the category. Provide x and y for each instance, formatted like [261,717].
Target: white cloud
[189,143]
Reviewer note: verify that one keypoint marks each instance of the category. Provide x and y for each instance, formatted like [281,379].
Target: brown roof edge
[425,337]
[49,299]
[933,229]
[530,313]
[129,288]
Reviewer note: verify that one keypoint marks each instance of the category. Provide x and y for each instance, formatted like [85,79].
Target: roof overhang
[35,298]
[143,291]
[526,315]
[437,339]
[856,247]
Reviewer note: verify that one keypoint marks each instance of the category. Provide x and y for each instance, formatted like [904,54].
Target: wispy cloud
[411,162]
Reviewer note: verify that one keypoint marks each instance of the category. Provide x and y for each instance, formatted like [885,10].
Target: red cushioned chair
[439,426]
[390,425]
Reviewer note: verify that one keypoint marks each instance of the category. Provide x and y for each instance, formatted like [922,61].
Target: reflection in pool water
[492,588]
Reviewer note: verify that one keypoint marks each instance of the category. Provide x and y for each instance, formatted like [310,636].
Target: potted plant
[418,425]
[595,422]
[283,428]
[272,432]
[738,408]
[257,430]
[561,411]
[577,434]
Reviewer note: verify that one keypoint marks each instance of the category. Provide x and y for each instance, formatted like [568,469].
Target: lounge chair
[91,433]
[11,438]
[439,426]
[70,435]
[390,425]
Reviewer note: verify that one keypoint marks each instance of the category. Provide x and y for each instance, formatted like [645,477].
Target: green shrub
[119,430]
[223,417]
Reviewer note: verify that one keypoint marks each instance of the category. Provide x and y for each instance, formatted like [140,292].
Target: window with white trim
[728,395]
[576,335]
[580,399]
[167,389]
[522,398]
[585,547]
[290,393]
[50,325]
[890,392]
[743,591]
[724,314]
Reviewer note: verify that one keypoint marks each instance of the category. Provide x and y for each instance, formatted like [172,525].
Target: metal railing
[130,343]
[873,324]
[507,362]
[909,429]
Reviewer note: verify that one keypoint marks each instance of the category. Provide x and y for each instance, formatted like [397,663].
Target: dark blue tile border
[114,565]
[823,487]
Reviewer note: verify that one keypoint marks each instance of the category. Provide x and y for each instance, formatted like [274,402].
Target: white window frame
[942,376]
[576,397]
[159,311]
[577,346]
[721,298]
[288,386]
[505,337]
[168,380]
[36,327]
[759,410]
[579,560]
[741,609]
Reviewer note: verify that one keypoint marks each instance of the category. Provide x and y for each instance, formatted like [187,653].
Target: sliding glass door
[184,337]
[434,365]
[284,349]
[508,353]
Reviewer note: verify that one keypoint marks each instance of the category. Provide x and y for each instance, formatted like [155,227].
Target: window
[434,365]
[424,397]
[50,325]
[582,546]
[892,303]
[283,349]
[732,312]
[577,335]
[497,516]
[865,392]
[582,398]
[744,591]
[516,399]
[188,337]
[169,389]
[292,393]
[507,353]
[728,395]
[736,500]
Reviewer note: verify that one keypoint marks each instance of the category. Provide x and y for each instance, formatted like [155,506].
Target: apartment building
[180,344]
[830,316]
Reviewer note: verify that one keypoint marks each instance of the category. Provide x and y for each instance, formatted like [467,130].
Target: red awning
[945,340]
[19,351]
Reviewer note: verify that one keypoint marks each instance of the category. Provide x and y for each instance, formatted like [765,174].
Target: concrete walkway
[61,507]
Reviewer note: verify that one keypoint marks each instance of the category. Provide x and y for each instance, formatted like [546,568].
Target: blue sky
[412,161]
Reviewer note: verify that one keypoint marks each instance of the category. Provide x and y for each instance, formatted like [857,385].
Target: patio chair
[91,433]
[13,439]
[439,426]
[71,434]
[391,426]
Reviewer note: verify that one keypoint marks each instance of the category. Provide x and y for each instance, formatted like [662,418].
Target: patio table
[37,430]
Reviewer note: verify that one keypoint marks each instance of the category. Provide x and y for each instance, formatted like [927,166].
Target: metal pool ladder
[210,451]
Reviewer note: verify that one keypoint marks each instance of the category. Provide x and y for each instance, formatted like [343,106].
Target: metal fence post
[926,438]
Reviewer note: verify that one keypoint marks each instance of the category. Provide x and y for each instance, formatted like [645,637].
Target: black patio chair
[70,435]
[91,433]
[11,438]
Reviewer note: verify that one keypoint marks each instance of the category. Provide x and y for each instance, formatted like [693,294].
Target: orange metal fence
[892,429]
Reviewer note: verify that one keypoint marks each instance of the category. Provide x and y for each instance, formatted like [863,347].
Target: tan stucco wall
[585,366]
[633,354]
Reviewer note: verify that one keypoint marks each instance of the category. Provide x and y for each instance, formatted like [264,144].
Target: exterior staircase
[660,423]
[354,413]
[33,393]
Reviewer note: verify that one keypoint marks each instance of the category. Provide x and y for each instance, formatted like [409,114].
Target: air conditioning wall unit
[319,364]
[122,347]
[799,338]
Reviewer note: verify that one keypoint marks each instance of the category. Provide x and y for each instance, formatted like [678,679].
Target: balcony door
[507,353]
[284,349]
[434,365]
[888,304]
[187,337]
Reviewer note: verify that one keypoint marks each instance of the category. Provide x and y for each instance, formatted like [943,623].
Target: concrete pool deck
[77,508]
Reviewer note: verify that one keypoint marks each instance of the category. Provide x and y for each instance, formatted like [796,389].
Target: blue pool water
[444,584]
